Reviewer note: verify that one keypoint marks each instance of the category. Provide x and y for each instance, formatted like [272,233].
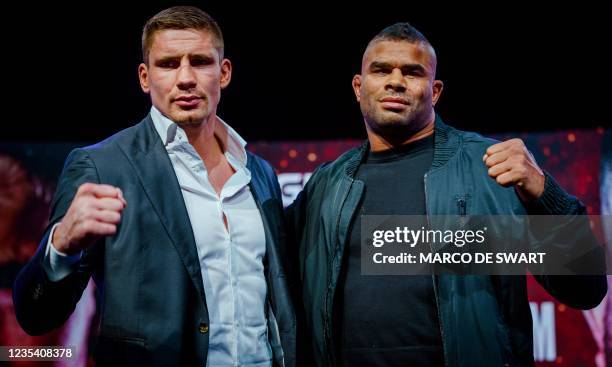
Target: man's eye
[168,64]
[200,61]
[414,72]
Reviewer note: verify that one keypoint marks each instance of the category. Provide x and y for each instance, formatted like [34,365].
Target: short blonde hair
[180,17]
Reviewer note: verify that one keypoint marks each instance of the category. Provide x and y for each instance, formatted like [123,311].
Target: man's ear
[143,74]
[226,72]
[357,86]
[437,87]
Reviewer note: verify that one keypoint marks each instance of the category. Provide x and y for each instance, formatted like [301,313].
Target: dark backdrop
[70,70]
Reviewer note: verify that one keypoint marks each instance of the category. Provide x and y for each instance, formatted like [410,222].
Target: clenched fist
[511,164]
[94,212]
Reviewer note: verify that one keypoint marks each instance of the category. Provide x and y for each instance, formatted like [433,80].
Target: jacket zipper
[435,285]
[462,209]
[328,339]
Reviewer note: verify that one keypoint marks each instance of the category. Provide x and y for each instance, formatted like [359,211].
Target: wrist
[58,241]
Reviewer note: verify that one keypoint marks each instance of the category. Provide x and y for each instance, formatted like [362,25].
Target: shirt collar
[168,132]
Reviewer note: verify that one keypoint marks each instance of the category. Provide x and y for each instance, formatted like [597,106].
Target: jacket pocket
[121,351]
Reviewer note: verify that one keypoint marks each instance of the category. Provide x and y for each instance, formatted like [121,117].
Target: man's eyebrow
[202,57]
[413,67]
[380,65]
[406,68]
[166,58]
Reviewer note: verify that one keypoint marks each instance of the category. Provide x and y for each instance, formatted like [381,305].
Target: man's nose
[186,78]
[396,81]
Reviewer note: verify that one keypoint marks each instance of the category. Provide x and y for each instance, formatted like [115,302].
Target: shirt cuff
[58,265]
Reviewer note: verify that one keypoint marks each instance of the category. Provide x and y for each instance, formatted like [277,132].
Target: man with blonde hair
[179,226]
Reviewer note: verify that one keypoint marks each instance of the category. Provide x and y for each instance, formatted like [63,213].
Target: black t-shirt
[388,320]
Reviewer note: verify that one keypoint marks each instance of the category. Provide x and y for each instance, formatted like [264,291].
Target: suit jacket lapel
[260,196]
[270,215]
[156,174]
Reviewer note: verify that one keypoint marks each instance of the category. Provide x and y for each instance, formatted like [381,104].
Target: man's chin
[188,118]
[392,124]
[398,126]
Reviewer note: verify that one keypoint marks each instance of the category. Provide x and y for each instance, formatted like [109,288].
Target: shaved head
[404,32]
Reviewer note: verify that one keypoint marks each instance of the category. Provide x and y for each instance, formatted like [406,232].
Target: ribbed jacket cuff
[554,200]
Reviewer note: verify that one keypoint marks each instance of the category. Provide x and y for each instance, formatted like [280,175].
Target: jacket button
[203,328]
[38,291]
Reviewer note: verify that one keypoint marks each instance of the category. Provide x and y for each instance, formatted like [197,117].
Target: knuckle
[516,159]
[116,217]
[85,187]
[82,188]
[86,213]
[524,171]
[84,202]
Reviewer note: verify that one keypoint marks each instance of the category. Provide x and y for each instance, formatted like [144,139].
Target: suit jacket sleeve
[42,305]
